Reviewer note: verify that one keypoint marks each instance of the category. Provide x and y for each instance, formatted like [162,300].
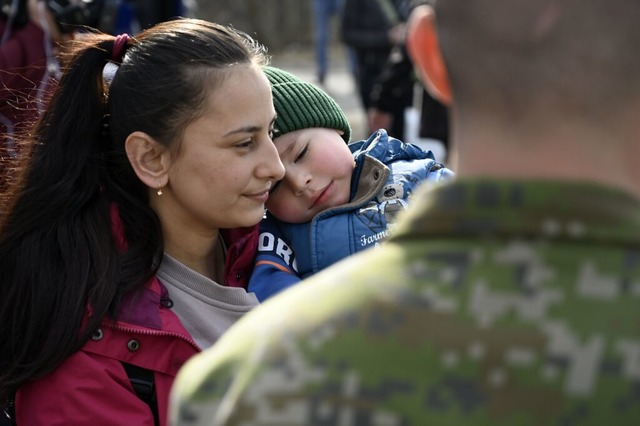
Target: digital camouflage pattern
[493,303]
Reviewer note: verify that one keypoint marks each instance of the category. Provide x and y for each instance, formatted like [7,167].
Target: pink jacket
[92,388]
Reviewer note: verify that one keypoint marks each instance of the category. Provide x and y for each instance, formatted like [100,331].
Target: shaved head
[517,55]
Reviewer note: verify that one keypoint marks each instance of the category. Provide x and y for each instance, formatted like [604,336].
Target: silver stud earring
[159,189]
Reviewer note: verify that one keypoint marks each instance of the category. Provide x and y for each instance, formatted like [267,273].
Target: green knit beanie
[301,105]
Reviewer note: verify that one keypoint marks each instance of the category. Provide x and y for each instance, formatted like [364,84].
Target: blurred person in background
[323,12]
[373,30]
[32,33]
[133,16]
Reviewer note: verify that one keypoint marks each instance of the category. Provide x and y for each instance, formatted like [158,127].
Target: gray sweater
[205,308]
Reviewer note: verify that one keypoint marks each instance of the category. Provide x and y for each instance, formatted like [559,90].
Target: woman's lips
[260,197]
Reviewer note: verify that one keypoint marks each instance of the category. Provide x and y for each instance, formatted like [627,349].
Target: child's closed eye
[302,154]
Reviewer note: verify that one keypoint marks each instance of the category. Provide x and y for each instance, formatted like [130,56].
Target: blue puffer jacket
[386,173]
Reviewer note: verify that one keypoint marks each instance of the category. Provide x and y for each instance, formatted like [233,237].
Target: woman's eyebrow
[249,128]
[244,129]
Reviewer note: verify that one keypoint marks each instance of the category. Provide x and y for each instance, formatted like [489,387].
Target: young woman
[129,231]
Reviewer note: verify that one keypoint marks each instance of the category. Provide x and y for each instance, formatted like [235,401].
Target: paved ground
[339,82]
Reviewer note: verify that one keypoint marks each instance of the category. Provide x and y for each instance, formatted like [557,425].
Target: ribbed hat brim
[302,105]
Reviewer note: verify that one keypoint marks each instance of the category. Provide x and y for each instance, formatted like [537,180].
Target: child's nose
[299,181]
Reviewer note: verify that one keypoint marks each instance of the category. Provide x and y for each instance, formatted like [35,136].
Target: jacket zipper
[146,332]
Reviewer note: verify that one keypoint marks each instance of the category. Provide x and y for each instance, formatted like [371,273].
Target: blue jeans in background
[323,11]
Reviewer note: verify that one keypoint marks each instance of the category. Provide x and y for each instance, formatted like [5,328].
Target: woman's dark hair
[60,251]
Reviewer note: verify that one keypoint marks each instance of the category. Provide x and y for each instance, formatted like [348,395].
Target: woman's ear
[150,160]
[424,49]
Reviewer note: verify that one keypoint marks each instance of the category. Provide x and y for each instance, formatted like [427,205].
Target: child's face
[318,167]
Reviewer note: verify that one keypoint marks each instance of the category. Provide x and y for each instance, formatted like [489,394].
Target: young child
[335,199]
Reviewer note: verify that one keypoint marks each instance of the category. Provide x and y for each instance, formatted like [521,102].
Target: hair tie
[118,46]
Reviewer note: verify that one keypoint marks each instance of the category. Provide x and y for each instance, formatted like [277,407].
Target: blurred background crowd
[353,49]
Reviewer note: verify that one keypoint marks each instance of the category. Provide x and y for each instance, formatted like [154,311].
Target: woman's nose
[272,168]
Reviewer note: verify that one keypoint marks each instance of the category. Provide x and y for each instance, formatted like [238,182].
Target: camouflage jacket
[493,303]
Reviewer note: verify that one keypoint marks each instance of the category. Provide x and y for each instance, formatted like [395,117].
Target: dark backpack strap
[144,386]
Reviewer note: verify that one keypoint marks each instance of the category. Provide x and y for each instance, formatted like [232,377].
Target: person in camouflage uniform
[510,296]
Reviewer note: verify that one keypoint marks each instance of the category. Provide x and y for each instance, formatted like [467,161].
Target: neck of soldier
[552,148]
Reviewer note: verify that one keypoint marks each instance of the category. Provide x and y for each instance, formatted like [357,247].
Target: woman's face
[226,163]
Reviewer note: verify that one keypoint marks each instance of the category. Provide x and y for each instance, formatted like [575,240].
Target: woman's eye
[244,145]
[302,154]
[273,133]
